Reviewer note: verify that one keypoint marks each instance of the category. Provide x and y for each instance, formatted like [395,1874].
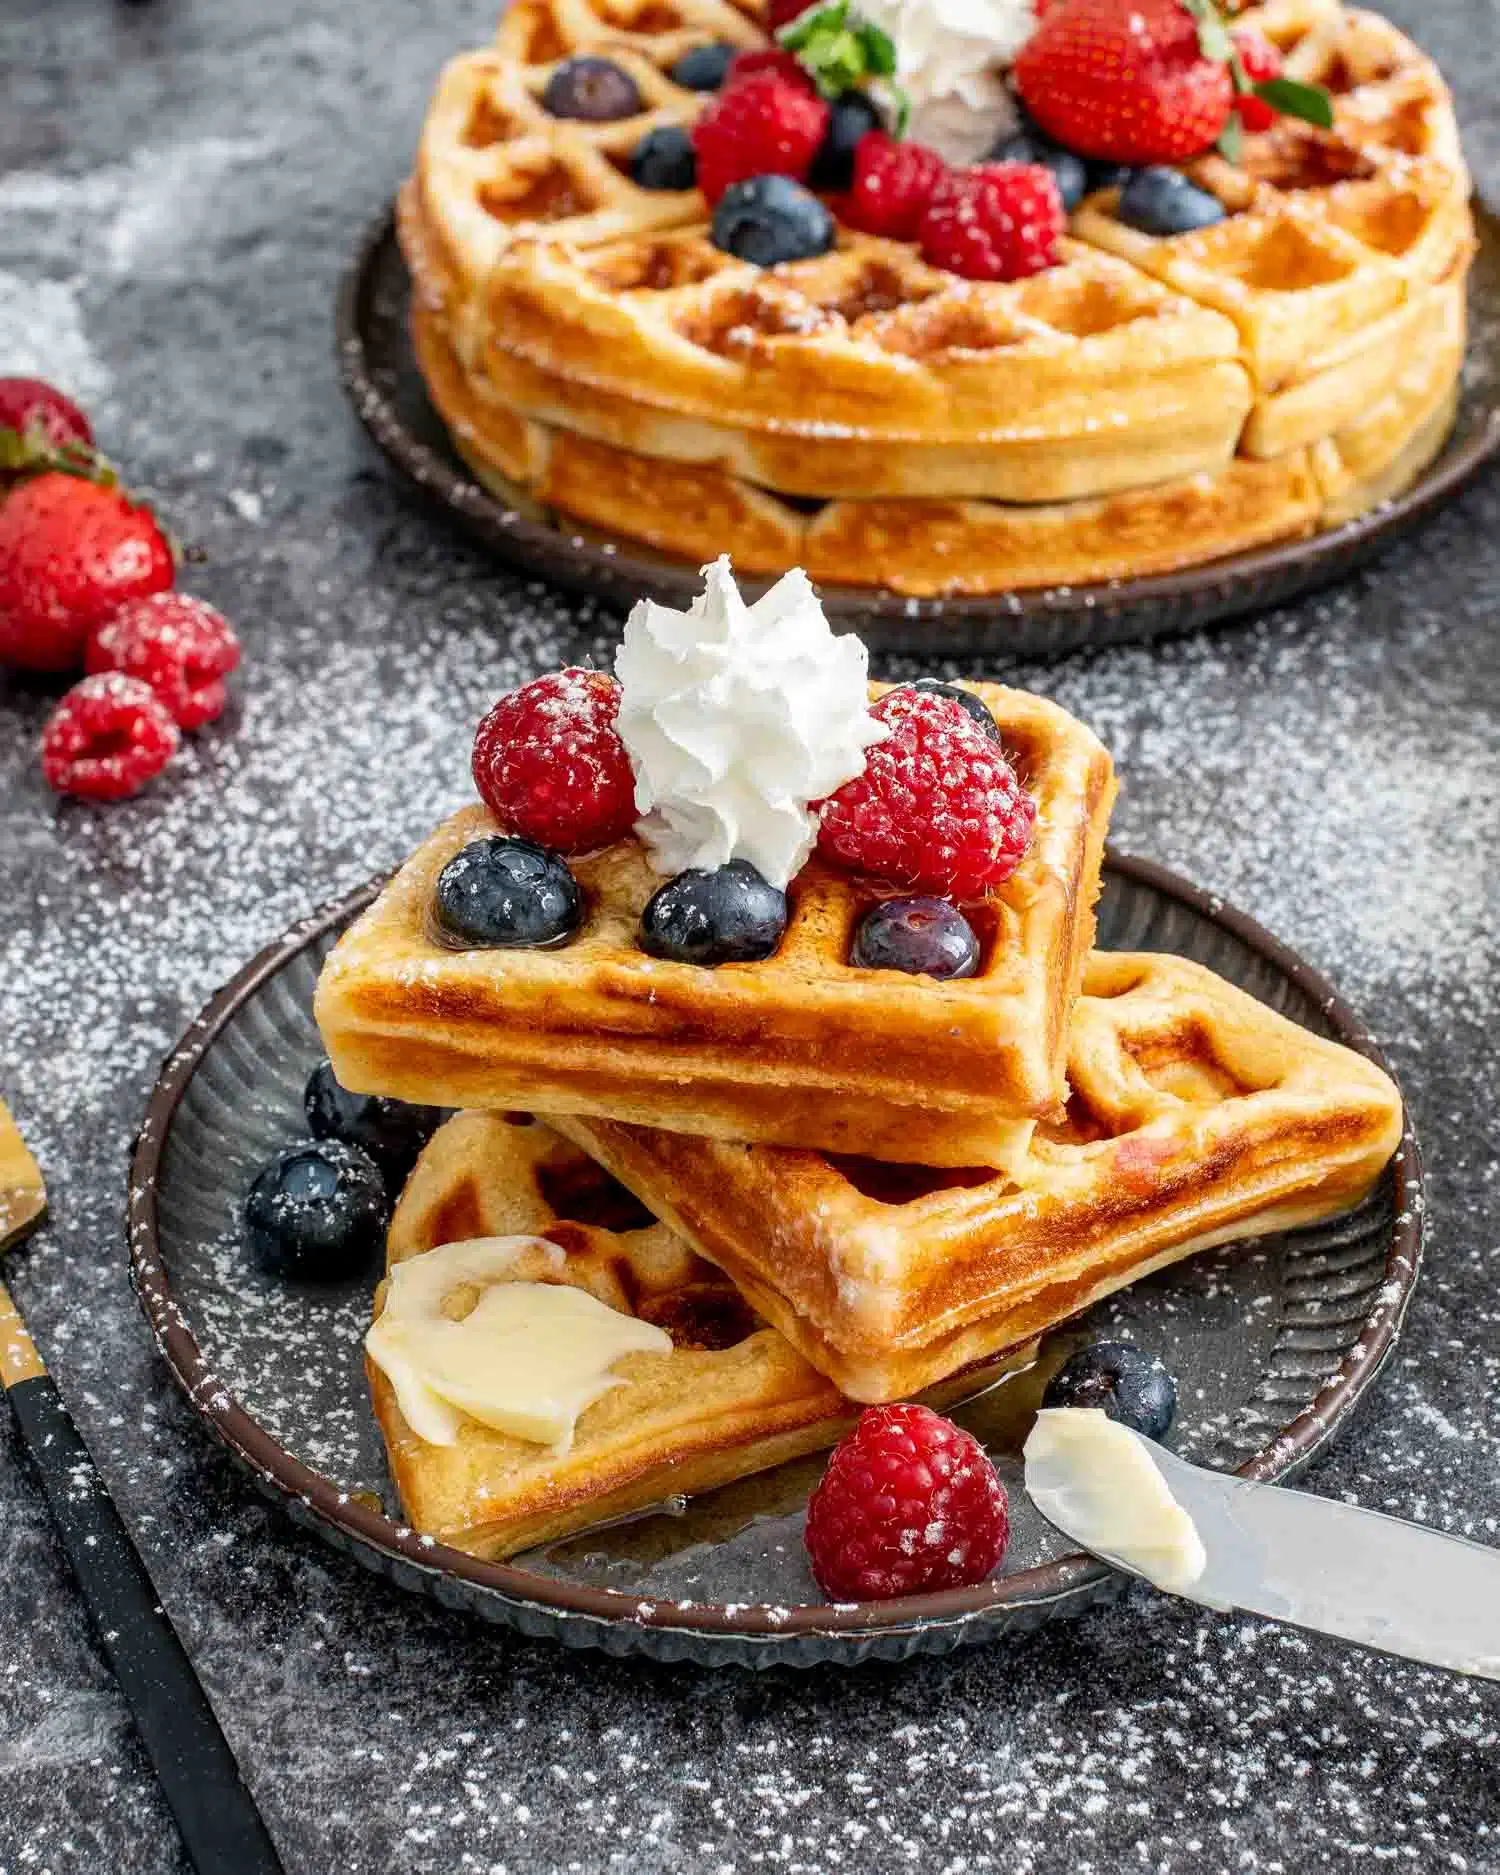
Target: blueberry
[1129,1384]
[595,90]
[728,916]
[1105,173]
[317,1210]
[703,68]
[922,936]
[1163,201]
[392,1132]
[770,219]
[1069,172]
[504,892]
[978,710]
[849,117]
[665,159]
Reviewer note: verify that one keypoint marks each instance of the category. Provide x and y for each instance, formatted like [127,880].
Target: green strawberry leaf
[1231,142]
[1309,102]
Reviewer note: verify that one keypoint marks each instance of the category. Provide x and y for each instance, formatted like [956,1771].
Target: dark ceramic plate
[380,375]
[1273,1344]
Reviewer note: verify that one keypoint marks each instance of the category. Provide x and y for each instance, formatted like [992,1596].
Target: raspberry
[1259,60]
[179,645]
[938,808]
[107,738]
[773,59]
[893,183]
[996,221]
[549,762]
[909,1503]
[763,126]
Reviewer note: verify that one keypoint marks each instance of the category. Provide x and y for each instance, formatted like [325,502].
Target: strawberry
[38,413]
[71,551]
[1154,81]
[783,12]
[1125,80]
[762,126]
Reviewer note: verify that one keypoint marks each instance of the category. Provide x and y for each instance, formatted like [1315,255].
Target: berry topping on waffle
[501,893]
[762,125]
[771,219]
[910,1504]
[891,184]
[727,916]
[938,808]
[997,221]
[549,762]
[925,937]
[594,90]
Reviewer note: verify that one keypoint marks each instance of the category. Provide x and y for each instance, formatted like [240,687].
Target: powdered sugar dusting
[1330,773]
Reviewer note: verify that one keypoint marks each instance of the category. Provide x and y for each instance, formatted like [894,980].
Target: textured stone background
[179,185]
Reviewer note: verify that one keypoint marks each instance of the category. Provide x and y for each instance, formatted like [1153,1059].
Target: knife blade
[1315,1563]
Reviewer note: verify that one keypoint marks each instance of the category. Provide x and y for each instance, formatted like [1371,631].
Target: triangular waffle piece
[1197,1116]
[801,1049]
[731,1398]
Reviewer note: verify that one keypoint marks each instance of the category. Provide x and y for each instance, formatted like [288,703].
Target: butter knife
[1313,1562]
[221,1828]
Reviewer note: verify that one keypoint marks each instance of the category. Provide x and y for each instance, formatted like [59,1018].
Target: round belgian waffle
[1145,404]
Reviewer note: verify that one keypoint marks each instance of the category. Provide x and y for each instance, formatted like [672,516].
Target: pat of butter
[1099,1480]
[527,1359]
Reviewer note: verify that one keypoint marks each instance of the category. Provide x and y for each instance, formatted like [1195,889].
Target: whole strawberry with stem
[72,550]
[1144,81]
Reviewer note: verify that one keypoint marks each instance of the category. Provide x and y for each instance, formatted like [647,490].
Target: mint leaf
[798,32]
[879,49]
[1293,99]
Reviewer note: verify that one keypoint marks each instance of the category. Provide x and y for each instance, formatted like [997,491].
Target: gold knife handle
[19,1359]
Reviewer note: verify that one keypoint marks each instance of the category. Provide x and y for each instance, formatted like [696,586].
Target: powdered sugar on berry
[949,59]
[736,718]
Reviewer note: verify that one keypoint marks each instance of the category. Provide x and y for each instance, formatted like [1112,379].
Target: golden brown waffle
[731,1398]
[1197,1116]
[800,1049]
[872,418]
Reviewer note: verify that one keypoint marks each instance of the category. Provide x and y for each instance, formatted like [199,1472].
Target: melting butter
[527,1359]
[1096,1480]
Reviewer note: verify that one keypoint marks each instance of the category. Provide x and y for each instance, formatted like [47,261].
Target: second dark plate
[380,375]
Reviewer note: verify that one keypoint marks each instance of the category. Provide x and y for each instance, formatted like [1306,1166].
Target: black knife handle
[221,1828]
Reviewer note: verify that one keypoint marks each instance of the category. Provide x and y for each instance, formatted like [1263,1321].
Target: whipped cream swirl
[736,718]
[949,57]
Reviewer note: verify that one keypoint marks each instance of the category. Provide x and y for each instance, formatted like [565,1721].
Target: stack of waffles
[1148,402]
[826,1184]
